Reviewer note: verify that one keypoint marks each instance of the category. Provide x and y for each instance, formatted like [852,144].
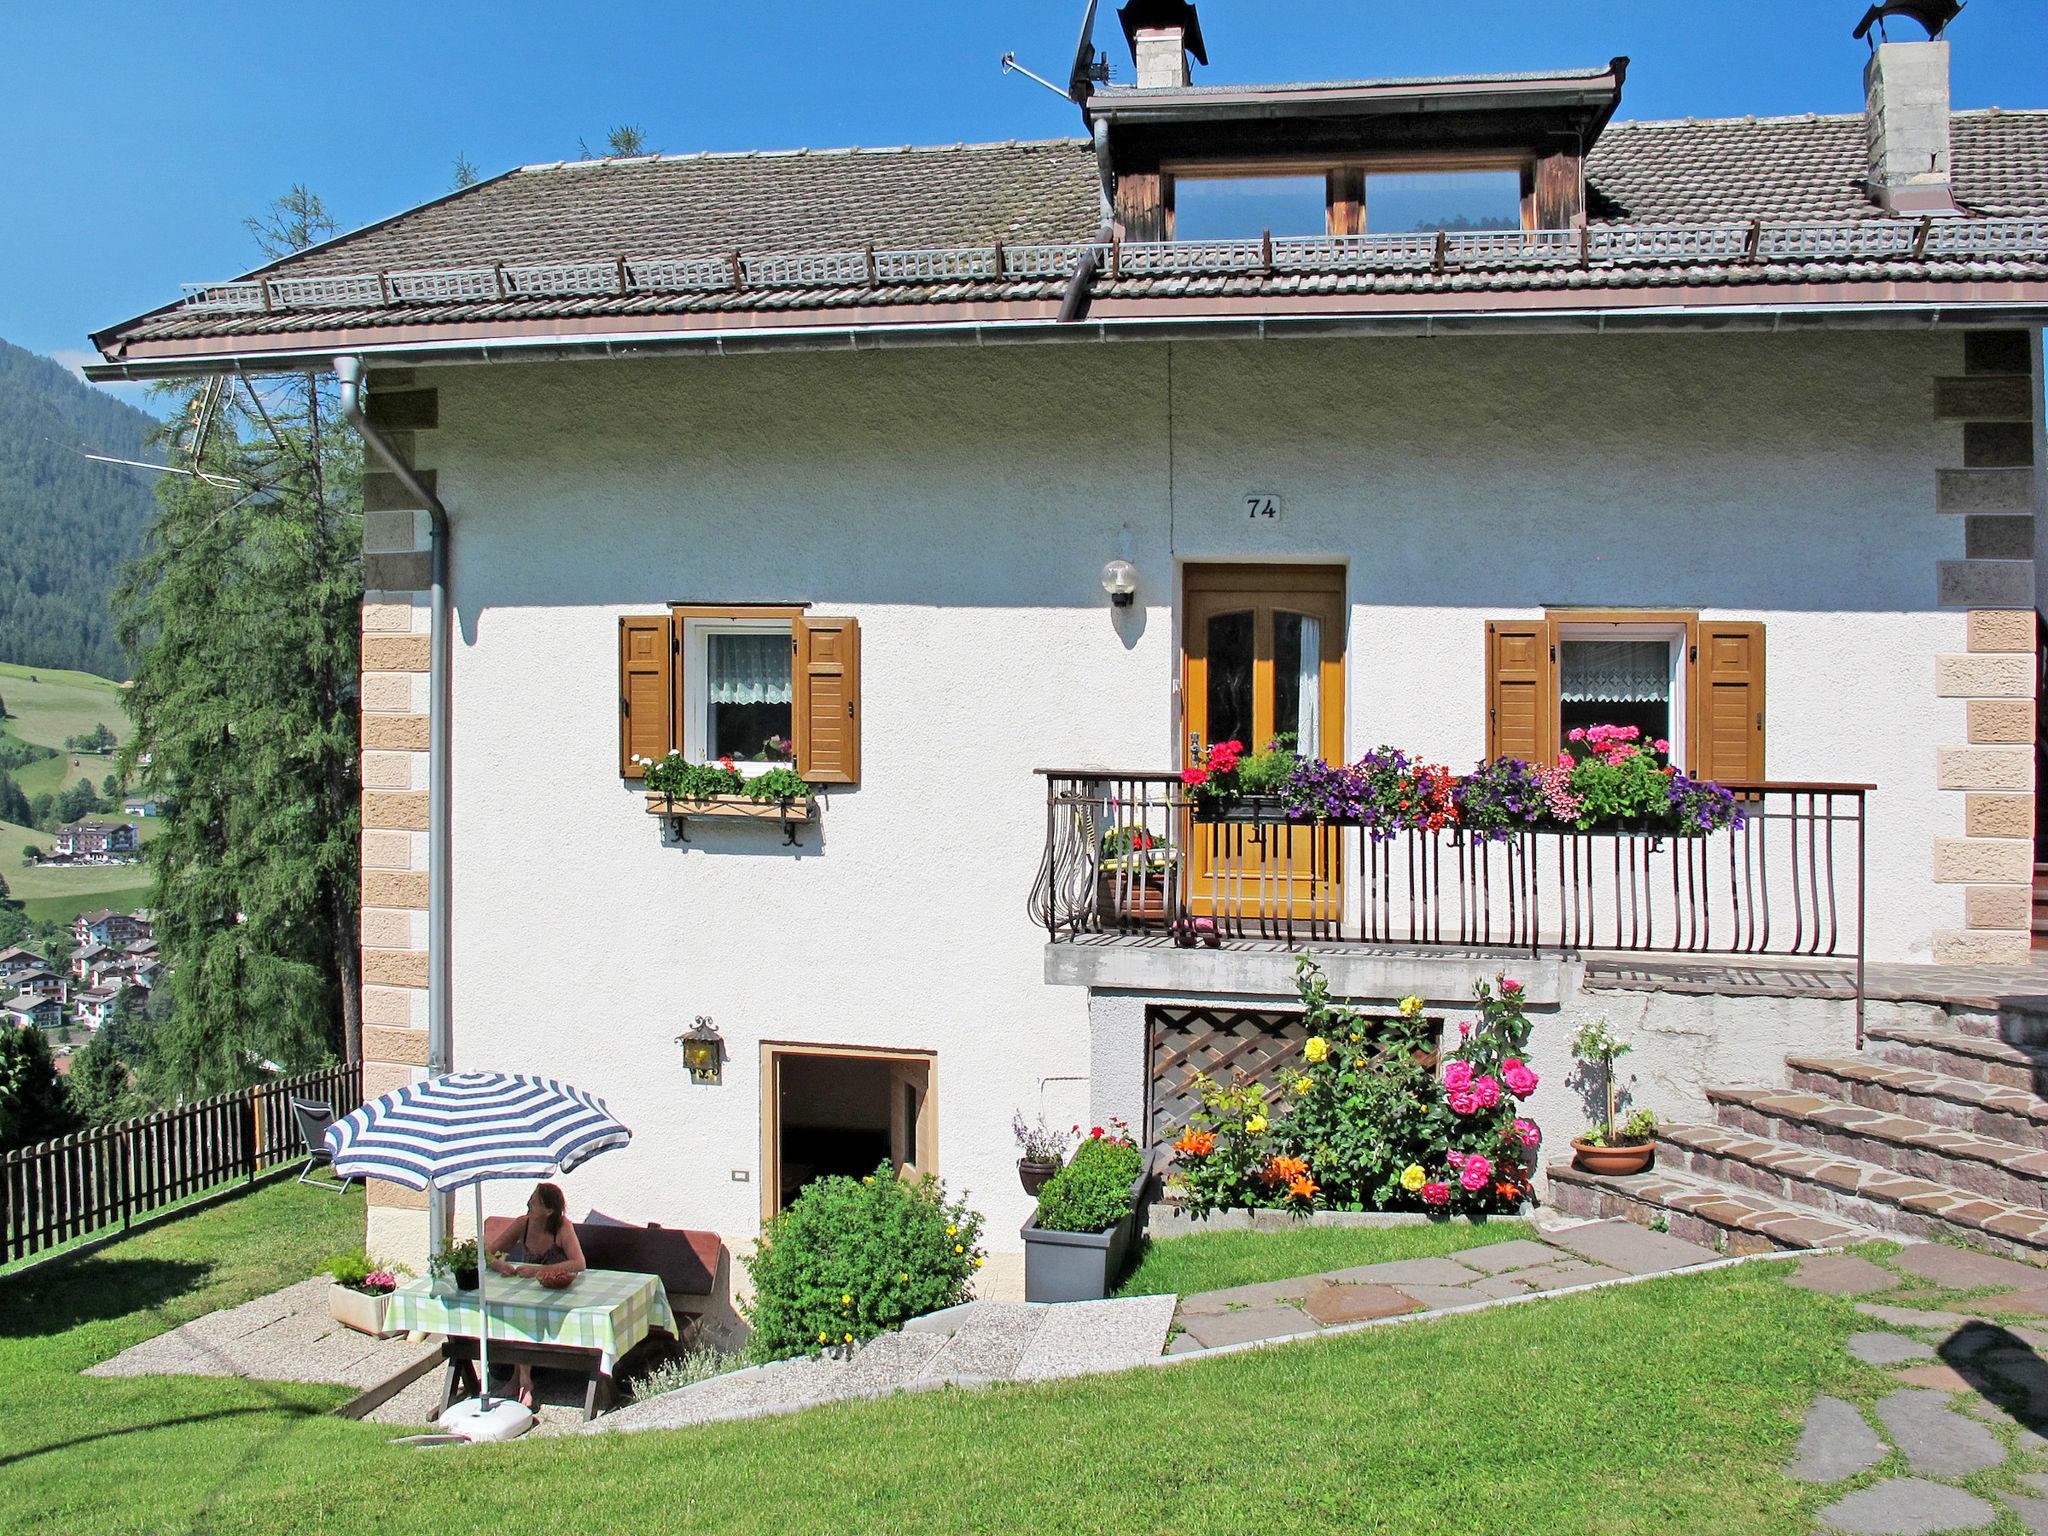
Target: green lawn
[1656,1408]
[1213,1261]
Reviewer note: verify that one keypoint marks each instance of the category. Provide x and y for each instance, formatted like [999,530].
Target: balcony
[1130,863]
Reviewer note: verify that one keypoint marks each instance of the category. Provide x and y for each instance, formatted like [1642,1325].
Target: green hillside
[67,523]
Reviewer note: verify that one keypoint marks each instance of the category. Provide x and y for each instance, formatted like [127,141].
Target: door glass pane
[748,686]
[1297,681]
[1616,682]
[1230,678]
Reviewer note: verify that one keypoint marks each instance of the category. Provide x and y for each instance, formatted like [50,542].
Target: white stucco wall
[960,504]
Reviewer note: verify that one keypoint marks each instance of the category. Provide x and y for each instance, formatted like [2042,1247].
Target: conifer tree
[242,617]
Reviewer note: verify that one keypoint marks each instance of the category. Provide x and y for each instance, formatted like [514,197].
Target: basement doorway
[843,1110]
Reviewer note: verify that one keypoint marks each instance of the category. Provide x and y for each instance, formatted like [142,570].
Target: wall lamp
[1120,581]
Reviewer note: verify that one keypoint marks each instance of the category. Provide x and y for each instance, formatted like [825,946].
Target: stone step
[1850,1191]
[1984,1165]
[2011,1114]
[1698,1210]
[1957,1054]
[2014,1022]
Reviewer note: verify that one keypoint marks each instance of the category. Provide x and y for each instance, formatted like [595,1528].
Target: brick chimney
[1905,90]
[1162,56]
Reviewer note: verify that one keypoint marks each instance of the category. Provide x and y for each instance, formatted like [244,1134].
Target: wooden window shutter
[1521,691]
[828,699]
[646,691]
[1727,687]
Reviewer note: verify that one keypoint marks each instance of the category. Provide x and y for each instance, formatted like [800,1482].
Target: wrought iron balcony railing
[1127,854]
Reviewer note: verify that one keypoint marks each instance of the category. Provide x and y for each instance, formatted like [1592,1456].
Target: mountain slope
[66,523]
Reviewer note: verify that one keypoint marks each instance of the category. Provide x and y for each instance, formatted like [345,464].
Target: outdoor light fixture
[1120,581]
[703,1051]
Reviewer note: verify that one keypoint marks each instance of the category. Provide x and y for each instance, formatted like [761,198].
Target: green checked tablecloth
[608,1310]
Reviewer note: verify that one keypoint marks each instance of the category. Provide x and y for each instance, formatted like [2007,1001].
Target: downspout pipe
[1076,300]
[348,369]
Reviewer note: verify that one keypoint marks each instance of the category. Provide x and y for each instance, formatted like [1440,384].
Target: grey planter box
[1082,1266]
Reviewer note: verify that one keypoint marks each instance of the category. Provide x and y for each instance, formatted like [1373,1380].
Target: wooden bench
[693,1266]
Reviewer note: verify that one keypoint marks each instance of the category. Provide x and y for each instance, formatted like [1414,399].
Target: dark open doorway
[840,1111]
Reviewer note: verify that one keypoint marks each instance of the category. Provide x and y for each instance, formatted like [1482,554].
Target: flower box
[1082,1266]
[733,808]
[359,1310]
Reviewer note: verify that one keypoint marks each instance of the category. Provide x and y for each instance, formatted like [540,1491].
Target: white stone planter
[353,1309]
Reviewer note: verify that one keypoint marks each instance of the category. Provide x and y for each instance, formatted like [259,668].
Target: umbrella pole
[483,1379]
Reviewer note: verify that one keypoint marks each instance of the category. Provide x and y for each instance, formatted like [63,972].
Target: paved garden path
[1285,1309]
[991,1341]
[1952,1429]
[285,1336]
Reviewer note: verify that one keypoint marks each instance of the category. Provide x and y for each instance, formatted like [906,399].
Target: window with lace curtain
[744,701]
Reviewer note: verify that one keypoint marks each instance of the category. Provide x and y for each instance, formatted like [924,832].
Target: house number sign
[1262,507]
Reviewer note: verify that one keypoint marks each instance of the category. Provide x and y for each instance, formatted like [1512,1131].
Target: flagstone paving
[1578,1255]
[1964,1400]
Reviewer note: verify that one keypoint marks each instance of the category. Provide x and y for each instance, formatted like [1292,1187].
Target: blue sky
[138,141]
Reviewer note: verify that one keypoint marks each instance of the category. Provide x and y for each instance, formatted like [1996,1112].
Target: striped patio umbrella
[470,1127]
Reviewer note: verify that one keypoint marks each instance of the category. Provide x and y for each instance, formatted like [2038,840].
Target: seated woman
[542,1238]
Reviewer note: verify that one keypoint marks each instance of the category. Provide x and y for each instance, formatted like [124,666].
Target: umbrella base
[505,1419]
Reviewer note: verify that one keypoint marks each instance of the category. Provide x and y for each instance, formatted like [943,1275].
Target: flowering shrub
[850,1258]
[1365,1121]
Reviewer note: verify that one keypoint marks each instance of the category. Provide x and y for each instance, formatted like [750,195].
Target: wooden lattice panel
[1220,1042]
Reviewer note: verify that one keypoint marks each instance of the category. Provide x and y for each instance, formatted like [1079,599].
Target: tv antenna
[1090,68]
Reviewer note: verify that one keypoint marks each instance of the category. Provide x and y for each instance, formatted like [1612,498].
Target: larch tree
[242,616]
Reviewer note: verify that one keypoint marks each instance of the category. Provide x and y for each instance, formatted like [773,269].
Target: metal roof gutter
[596,346]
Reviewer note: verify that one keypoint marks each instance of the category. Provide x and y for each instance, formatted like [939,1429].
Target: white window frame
[1676,635]
[697,684]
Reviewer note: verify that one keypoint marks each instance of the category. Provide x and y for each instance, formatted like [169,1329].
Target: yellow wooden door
[1263,658]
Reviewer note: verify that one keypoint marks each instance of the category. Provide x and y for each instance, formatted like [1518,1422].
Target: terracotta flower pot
[1033,1175]
[1613,1161]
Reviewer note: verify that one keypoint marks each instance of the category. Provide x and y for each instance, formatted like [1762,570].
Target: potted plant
[1614,1146]
[1076,1241]
[1044,1150]
[456,1264]
[361,1291]
[1134,874]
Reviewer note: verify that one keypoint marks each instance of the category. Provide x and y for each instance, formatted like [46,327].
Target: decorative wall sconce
[703,1051]
[1120,581]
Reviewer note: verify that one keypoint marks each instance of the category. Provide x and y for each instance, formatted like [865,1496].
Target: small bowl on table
[557,1279]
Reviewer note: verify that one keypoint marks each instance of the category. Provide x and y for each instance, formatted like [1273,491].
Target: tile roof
[552,242]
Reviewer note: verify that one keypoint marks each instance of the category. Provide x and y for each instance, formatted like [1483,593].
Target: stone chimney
[1162,54]
[1905,90]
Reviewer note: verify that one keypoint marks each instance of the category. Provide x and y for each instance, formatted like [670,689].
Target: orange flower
[1302,1188]
[1285,1170]
[1507,1191]
[1194,1143]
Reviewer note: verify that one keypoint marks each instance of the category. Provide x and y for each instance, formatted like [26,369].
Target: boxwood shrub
[851,1258]
[1093,1192]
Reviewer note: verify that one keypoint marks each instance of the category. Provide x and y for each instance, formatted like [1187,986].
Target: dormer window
[1234,203]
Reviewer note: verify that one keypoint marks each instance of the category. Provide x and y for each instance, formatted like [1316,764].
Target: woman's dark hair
[551,1196]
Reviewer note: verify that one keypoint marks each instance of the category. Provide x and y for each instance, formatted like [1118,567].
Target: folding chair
[313,1117]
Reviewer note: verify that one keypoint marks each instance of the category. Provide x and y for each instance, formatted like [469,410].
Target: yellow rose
[1413,1177]
[958,1249]
[824,1338]
[952,1231]
[1256,1124]
[846,1301]
[977,1263]
[1303,1084]
[1317,1049]
[849,1338]
[1410,1007]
